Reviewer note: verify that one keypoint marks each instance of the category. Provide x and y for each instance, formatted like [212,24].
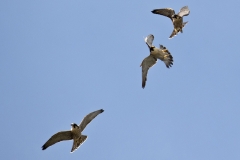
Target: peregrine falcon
[155,53]
[74,134]
[177,19]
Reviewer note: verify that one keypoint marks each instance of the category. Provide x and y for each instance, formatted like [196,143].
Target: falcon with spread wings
[177,19]
[161,53]
[74,134]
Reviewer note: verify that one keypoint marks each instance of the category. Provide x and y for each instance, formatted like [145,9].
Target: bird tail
[174,32]
[78,142]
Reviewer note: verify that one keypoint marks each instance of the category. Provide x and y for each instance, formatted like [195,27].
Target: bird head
[152,48]
[74,125]
[175,16]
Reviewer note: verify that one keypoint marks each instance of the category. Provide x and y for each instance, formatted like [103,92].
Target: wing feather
[149,39]
[168,12]
[147,63]
[60,136]
[162,47]
[184,11]
[167,57]
[88,118]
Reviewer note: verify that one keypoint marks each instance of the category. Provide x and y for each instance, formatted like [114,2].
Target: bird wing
[184,11]
[149,39]
[60,136]
[168,12]
[146,64]
[167,57]
[88,118]
[78,142]
[162,47]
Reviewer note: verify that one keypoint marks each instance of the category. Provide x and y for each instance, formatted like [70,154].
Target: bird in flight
[177,19]
[161,53]
[74,134]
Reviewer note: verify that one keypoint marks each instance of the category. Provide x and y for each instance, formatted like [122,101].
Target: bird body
[158,53]
[178,23]
[75,130]
[78,138]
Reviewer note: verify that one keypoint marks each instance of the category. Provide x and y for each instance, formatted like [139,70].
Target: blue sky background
[60,60]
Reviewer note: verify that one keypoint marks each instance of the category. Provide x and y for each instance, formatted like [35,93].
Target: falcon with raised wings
[74,134]
[161,53]
[177,19]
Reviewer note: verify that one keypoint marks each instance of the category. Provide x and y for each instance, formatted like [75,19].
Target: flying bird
[177,19]
[161,53]
[74,134]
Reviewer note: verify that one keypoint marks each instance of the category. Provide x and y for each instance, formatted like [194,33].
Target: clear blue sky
[60,60]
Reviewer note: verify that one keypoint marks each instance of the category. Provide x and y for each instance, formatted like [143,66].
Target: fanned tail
[78,142]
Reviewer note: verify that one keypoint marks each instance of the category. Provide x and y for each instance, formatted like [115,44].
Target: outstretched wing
[184,11]
[60,136]
[149,39]
[78,142]
[146,64]
[168,12]
[87,119]
[167,57]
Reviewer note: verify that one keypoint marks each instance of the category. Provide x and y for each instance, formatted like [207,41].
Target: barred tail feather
[174,33]
[78,142]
